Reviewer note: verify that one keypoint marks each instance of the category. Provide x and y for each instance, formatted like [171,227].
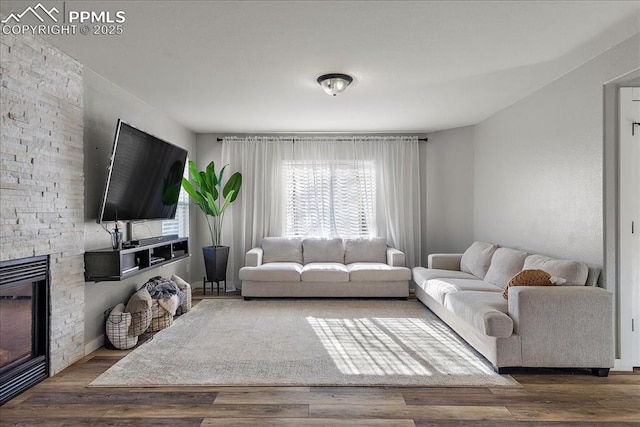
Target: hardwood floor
[547,398]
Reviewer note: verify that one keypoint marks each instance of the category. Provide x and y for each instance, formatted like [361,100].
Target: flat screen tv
[144,177]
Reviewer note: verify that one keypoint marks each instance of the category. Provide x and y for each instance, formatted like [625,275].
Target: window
[179,225]
[329,199]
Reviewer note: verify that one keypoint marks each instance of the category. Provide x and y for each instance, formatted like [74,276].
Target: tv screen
[144,178]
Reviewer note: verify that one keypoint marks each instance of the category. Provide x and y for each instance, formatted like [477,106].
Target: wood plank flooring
[547,398]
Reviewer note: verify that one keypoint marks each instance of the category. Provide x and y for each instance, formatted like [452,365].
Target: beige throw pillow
[532,278]
[139,305]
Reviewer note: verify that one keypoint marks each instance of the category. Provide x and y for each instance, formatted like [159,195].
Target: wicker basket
[186,304]
[116,329]
[160,318]
[185,287]
[160,323]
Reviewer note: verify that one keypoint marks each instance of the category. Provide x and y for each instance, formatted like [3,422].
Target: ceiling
[245,67]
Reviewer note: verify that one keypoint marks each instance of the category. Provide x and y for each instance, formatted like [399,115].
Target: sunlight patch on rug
[304,343]
[396,346]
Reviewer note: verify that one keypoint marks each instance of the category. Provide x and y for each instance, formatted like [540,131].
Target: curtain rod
[425,139]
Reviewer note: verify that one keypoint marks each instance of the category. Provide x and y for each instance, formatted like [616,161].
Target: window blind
[329,198]
[180,224]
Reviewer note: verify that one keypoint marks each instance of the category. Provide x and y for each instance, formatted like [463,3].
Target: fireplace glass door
[24,324]
[16,318]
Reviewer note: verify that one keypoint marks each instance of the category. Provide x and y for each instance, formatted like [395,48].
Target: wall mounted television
[144,177]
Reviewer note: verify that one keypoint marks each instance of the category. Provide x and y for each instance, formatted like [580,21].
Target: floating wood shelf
[119,264]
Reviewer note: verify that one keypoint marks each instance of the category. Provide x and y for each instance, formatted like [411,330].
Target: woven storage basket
[186,304]
[185,287]
[160,323]
[116,329]
[161,318]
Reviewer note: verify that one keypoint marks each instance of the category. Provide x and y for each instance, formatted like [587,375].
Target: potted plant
[213,196]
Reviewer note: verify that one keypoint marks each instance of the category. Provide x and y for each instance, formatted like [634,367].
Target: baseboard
[621,365]
[93,345]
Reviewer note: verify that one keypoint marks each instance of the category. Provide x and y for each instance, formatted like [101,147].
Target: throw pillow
[532,278]
[477,259]
[139,301]
[117,329]
[139,305]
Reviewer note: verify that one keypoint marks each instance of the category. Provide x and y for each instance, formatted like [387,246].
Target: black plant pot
[215,264]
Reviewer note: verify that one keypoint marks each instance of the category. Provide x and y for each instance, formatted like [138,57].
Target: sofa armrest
[395,257]
[563,326]
[444,261]
[253,258]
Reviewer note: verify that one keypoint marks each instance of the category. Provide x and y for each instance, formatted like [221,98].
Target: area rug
[292,342]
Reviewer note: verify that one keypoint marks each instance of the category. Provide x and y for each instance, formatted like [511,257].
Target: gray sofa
[567,326]
[283,267]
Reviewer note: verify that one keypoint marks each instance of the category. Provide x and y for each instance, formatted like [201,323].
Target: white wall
[539,164]
[104,103]
[446,179]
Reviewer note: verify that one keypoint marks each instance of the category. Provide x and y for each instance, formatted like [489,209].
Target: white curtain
[397,174]
[260,209]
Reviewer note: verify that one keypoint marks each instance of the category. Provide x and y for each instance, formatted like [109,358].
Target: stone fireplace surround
[42,179]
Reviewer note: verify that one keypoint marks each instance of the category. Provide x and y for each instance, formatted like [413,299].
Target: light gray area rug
[232,342]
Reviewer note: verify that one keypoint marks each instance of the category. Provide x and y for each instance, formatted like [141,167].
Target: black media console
[118,264]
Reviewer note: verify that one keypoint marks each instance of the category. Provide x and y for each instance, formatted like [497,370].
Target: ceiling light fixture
[334,84]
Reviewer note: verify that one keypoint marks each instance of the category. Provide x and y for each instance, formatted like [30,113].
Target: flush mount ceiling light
[334,84]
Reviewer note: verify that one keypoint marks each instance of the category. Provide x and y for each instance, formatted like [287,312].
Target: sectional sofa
[283,267]
[567,326]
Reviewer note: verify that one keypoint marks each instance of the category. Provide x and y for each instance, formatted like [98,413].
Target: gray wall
[446,180]
[104,103]
[539,164]
[208,149]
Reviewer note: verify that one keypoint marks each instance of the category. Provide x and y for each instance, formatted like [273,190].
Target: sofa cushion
[322,250]
[574,272]
[421,274]
[485,311]
[439,288]
[477,259]
[505,264]
[325,272]
[365,250]
[281,249]
[272,272]
[377,272]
